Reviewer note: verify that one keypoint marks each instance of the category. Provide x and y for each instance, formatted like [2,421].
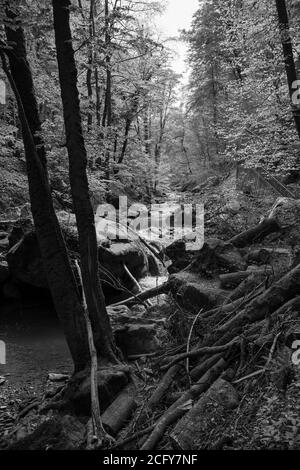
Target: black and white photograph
[149,229]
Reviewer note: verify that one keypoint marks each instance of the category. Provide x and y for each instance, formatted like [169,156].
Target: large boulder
[26,266]
[136,339]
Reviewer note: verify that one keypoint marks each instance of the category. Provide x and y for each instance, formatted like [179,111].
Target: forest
[149,226]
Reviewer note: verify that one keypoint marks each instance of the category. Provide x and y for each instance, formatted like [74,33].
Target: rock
[195,293]
[137,339]
[111,381]
[4,272]
[217,257]
[192,431]
[26,266]
[286,212]
[59,433]
[179,256]
[131,254]
[258,256]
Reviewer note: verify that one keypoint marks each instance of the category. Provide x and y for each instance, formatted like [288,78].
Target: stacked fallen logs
[216,347]
[215,362]
[222,350]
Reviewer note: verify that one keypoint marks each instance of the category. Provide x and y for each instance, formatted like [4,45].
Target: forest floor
[267,415]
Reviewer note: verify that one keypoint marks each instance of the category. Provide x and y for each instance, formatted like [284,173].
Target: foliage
[238,89]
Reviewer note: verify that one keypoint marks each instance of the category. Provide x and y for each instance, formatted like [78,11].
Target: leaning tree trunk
[24,83]
[79,183]
[53,250]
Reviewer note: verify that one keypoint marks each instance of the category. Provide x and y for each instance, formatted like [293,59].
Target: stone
[137,339]
[26,266]
[192,430]
[193,292]
[217,257]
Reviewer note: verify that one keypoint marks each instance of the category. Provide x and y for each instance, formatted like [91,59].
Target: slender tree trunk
[57,265]
[147,132]
[107,113]
[287,47]
[125,142]
[79,183]
[90,92]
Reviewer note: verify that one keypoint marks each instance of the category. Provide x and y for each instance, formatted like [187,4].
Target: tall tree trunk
[56,261]
[24,83]
[79,183]
[147,131]
[287,47]
[125,141]
[107,113]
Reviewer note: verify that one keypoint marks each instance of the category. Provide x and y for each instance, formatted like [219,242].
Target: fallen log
[163,387]
[267,303]
[201,352]
[179,408]
[225,308]
[231,280]
[148,294]
[200,370]
[159,393]
[116,415]
[288,306]
[249,285]
[255,234]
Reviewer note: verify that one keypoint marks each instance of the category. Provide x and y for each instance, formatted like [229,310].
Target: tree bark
[53,250]
[103,336]
[287,47]
[18,63]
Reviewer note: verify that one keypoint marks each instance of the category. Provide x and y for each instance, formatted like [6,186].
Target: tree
[288,55]
[56,261]
[103,337]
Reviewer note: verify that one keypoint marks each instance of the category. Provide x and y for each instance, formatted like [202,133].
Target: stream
[35,343]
